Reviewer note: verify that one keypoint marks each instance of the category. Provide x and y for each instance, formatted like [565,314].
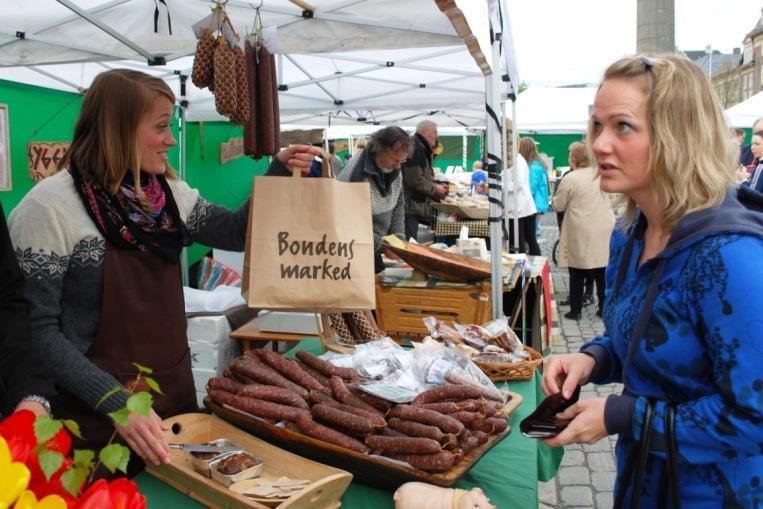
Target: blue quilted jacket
[701,350]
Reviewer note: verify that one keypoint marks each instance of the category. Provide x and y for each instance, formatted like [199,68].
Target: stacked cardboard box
[212,349]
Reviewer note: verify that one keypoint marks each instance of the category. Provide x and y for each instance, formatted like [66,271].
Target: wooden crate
[400,310]
[324,492]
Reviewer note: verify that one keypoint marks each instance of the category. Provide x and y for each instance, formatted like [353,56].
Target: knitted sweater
[387,211]
[62,253]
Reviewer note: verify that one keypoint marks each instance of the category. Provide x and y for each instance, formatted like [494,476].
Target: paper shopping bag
[310,245]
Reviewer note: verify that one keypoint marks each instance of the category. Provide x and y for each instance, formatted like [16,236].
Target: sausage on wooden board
[380,404]
[275,394]
[317,397]
[493,425]
[402,445]
[343,394]
[417,429]
[225,384]
[311,428]
[336,417]
[415,413]
[256,370]
[258,407]
[452,392]
[288,368]
[323,379]
[438,462]
[325,367]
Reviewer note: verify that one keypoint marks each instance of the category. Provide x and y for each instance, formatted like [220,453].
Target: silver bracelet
[38,399]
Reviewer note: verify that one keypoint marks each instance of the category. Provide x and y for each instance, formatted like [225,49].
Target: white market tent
[432,62]
[549,110]
[64,43]
[745,113]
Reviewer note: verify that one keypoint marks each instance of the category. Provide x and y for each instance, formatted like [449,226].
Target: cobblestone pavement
[586,476]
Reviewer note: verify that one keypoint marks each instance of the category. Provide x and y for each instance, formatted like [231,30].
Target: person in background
[379,164]
[538,177]
[24,381]
[756,168]
[478,181]
[360,144]
[745,153]
[521,206]
[420,188]
[335,162]
[739,133]
[100,242]
[684,293]
[586,229]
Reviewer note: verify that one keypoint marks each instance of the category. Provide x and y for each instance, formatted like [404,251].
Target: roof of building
[720,62]
[758,27]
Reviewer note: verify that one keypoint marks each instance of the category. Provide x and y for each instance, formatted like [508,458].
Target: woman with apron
[100,244]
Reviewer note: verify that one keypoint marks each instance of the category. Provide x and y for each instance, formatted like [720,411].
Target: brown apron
[142,321]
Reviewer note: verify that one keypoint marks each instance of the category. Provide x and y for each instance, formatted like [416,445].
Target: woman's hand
[145,436]
[565,372]
[586,425]
[298,157]
[36,408]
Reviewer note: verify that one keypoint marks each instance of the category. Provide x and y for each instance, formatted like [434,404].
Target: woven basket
[511,371]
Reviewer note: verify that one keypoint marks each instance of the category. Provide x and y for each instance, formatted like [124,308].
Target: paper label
[394,393]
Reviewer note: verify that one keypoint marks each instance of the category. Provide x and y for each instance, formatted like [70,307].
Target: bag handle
[325,166]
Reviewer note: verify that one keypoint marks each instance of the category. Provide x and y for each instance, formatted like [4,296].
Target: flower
[121,493]
[18,431]
[28,500]
[14,476]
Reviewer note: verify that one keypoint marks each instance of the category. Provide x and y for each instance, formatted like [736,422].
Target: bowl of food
[234,467]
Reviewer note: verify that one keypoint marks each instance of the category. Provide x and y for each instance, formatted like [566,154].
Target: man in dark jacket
[745,151]
[418,179]
[24,383]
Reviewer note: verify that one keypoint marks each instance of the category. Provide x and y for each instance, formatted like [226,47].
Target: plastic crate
[400,310]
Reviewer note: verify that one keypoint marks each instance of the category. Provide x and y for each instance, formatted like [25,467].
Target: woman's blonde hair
[579,155]
[691,158]
[529,150]
[105,142]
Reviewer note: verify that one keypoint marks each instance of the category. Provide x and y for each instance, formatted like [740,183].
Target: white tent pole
[182,167]
[493,120]
[514,152]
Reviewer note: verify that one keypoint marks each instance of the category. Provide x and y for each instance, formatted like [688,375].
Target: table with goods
[507,467]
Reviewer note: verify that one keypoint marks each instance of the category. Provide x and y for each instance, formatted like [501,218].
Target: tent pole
[182,169]
[464,149]
[493,133]
[514,152]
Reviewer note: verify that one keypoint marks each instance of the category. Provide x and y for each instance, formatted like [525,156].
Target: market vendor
[420,188]
[24,383]
[379,165]
[100,244]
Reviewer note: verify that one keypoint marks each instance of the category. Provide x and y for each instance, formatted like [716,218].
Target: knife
[204,448]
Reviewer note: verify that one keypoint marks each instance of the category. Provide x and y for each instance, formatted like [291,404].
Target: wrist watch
[38,399]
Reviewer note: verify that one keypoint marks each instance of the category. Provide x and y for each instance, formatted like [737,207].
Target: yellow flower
[28,500]
[14,476]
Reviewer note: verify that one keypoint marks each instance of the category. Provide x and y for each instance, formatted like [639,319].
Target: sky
[561,42]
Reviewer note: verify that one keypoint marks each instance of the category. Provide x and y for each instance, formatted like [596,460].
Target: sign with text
[306,249]
[231,149]
[43,157]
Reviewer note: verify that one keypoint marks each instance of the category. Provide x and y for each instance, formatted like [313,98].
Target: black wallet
[543,423]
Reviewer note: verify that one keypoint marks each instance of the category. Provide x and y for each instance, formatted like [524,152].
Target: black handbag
[635,468]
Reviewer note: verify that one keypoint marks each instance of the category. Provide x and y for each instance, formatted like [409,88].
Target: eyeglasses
[648,63]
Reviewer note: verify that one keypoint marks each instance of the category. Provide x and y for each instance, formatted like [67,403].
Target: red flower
[121,493]
[18,431]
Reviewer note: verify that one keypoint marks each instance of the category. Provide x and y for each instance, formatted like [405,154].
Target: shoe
[572,316]
[587,300]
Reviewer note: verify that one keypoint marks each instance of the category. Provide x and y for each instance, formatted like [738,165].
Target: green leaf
[115,456]
[140,403]
[108,395]
[73,427]
[45,428]
[73,478]
[50,462]
[143,369]
[153,384]
[83,458]
[120,416]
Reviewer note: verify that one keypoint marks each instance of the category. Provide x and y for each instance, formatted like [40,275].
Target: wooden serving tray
[441,264]
[467,212]
[325,492]
[369,469]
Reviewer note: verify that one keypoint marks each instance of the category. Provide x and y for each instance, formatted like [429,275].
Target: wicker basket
[511,371]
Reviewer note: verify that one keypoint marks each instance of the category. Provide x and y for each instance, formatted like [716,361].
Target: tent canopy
[550,110]
[434,59]
[746,113]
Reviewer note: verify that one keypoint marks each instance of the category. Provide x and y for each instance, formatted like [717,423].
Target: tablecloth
[508,473]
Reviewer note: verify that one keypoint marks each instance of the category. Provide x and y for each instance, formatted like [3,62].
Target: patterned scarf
[149,224]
